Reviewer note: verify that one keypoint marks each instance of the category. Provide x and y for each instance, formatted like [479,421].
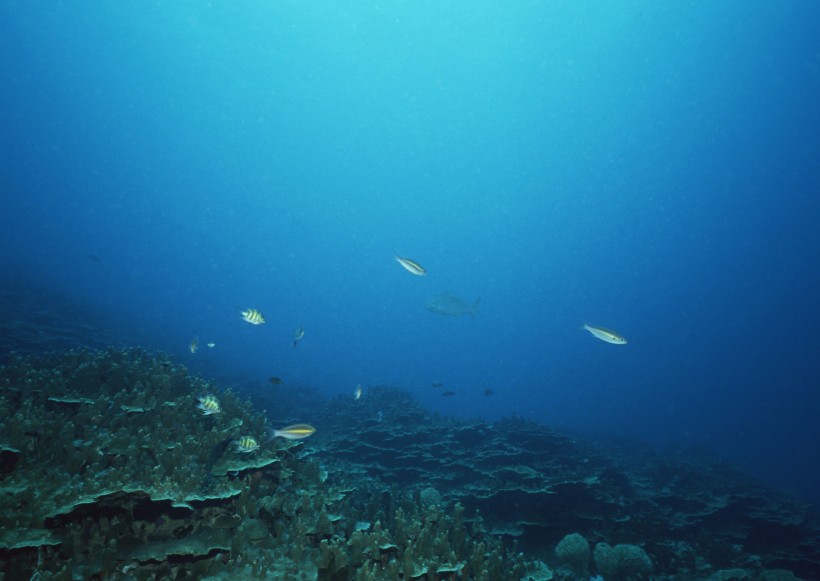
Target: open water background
[648,167]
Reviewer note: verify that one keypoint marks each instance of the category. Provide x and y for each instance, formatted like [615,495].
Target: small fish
[449,305]
[211,345]
[357,393]
[253,316]
[437,384]
[297,335]
[194,345]
[412,266]
[294,432]
[208,405]
[245,445]
[488,391]
[447,393]
[605,335]
[276,380]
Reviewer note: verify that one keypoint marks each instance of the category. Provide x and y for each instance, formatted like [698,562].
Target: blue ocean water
[648,167]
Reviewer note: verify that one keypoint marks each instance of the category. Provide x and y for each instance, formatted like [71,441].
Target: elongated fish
[253,316]
[605,334]
[449,305]
[294,432]
[297,335]
[412,266]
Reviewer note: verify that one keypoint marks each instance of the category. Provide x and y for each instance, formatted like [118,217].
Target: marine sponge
[622,562]
[574,552]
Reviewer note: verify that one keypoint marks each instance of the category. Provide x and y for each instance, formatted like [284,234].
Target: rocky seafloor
[108,470]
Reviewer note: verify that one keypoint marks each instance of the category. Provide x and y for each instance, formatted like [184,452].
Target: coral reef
[34,320]
[690,515]
[110,469]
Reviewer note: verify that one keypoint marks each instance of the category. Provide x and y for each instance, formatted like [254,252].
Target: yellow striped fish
[245,444]
[412,266]
[605,334]
[253,316]
[208,405]
[194,345]
[294,432]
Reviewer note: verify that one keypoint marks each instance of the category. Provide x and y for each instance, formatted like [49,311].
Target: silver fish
[411,266]
[450,305]
[605,334]
[297,335]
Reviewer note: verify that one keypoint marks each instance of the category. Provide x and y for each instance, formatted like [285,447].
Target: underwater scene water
[410,290]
